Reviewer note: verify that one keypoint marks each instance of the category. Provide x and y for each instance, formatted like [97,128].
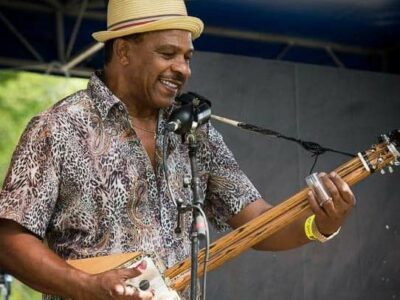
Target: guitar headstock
[393,137]
[392,142]
[386,154]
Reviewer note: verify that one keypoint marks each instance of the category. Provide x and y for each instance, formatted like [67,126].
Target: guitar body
[151,277]
[100,264]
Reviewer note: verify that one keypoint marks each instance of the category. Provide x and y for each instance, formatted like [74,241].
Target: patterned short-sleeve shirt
[81,179]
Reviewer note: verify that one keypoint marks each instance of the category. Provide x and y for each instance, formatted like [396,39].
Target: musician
[87,174]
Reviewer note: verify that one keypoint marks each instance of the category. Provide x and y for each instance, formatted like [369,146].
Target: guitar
[383,155]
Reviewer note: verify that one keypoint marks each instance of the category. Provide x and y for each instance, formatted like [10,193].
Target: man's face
[158,67]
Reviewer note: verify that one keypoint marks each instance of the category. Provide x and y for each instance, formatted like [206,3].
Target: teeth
[170,84]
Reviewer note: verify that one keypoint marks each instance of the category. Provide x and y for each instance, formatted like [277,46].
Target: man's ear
[121,51]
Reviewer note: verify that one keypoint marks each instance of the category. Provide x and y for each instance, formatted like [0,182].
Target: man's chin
[166,101]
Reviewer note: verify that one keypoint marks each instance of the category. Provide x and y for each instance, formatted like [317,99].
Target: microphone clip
[192,111]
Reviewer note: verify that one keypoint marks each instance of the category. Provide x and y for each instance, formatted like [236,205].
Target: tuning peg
[390,169]
[383,172]
[397,163]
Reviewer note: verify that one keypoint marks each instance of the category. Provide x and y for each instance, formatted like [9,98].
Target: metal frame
[21,38]
[76,28]
[48,68]
[81,9]
[290,42]
[62,66]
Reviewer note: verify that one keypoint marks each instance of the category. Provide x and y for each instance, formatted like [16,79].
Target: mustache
[176,76]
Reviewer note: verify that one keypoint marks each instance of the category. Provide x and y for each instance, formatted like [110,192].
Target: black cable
[315,162]
[312,147]
[207,253]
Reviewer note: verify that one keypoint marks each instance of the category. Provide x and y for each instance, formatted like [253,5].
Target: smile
[169,84]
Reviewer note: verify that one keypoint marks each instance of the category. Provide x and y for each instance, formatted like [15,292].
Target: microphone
[181,119]
[192,111]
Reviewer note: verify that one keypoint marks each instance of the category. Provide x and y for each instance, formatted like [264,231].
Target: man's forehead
[173,37]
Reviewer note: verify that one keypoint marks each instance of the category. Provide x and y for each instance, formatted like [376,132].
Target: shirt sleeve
[30,188]
[229,189]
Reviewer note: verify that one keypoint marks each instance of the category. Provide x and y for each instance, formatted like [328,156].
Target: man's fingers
[341,194]
[133,272]
[145,295]
[127,273]
[343,188]
[118,290]
[125,289]
[130,290]
[329,208]
[331,187]
[315,207]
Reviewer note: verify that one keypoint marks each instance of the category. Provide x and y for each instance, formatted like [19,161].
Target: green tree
[22,96]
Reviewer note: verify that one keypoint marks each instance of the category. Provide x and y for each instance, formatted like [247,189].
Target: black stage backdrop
[337,108]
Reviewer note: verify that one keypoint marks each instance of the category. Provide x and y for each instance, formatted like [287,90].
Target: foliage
[19,291]
[23,95]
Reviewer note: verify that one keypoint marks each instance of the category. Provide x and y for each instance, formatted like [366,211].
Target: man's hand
[328,218]
[111,285]
[332,214]
[26,257]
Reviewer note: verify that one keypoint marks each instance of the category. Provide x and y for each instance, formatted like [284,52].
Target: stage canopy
[54,36]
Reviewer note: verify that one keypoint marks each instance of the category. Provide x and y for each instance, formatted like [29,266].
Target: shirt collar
[102,96]
[104,99]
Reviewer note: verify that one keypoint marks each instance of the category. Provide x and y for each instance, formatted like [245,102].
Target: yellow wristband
[308,228]
[312,232]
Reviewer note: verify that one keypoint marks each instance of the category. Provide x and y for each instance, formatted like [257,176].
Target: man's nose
[181,65]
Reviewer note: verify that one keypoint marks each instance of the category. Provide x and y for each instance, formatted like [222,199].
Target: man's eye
[167,55]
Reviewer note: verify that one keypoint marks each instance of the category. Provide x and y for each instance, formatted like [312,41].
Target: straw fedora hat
[125,17]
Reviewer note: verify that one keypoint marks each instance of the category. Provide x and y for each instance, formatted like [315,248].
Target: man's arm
[28,259]
[328,218]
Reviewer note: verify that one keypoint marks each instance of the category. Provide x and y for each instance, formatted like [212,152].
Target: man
[87,174]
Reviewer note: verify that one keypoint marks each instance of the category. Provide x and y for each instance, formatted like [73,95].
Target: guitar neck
[248,235]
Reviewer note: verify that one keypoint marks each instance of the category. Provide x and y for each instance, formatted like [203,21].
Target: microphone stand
[192,111]
[198,226]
